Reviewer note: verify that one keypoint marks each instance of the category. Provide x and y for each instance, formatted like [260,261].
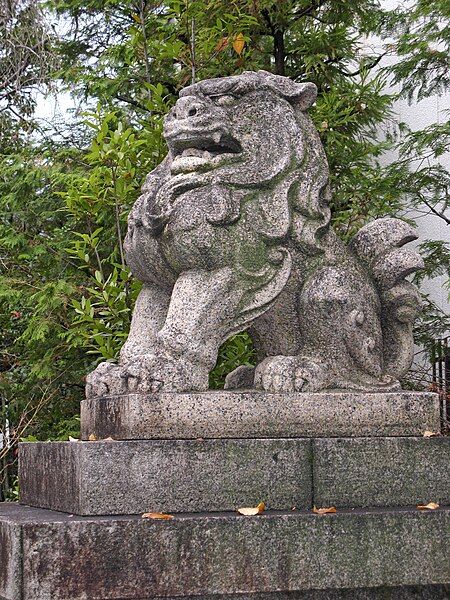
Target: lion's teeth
[216,137]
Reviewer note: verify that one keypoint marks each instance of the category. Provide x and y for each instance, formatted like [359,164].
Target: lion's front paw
[151,373]
[290,374]
[146,374]
[106,380]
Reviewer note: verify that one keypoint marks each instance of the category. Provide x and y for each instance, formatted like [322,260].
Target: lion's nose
[187,107]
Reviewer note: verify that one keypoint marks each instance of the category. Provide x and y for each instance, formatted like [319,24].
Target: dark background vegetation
[65,189]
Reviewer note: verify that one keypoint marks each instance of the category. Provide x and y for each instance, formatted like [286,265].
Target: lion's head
[239,129]
[232,136]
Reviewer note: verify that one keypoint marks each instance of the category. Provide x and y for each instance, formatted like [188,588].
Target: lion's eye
[224,100]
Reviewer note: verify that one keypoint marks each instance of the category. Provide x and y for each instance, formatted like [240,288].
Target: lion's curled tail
[380,247]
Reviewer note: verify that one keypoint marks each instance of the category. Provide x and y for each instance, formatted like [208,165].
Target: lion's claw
[148,373]
[279,374]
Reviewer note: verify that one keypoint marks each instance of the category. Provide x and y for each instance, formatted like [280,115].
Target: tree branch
[131,101]
[306,12]
[359,71]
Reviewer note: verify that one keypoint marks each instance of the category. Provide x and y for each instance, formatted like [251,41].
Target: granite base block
[10,554]
[132,477]
[253,414]
[381,472]
[62,557]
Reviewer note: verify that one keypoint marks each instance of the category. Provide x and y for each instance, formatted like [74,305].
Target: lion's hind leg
[339,315]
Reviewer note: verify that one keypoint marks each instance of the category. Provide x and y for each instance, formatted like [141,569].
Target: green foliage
[13,492]
[423,45]
[27,59]
[232,354]
[98,201]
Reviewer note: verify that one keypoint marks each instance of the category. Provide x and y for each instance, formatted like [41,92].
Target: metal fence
[440,364]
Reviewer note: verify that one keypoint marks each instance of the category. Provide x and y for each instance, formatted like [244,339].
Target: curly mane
[312,213]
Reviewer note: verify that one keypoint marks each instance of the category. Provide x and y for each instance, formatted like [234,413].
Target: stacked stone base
[86,538]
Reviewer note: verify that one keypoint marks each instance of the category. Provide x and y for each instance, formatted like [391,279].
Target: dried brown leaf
[221,44]
[92,437]
[158,516]
[324,511]
[252,510]
[429,506]
[428,434]
[239,43]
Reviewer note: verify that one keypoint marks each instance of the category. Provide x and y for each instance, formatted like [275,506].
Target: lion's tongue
[195,152]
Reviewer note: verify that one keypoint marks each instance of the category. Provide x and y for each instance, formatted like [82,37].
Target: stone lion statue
[232,232]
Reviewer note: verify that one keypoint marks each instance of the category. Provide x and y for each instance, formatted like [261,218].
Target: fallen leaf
[157,515]
[429,434]
[72,439]
[324,511]
[221,44]
[239,43]
[253,510]
[429,506]
[92,438]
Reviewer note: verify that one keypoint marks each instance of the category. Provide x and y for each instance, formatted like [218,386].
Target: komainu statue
[232,232]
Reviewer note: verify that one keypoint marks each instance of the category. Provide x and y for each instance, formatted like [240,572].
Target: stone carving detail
[232,232]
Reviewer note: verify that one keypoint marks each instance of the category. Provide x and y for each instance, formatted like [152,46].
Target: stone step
[46,555]
[253,414]
[133,477]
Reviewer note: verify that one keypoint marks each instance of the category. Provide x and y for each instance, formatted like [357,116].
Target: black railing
[440,363]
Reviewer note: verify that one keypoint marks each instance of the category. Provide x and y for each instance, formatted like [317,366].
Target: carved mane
[312,213]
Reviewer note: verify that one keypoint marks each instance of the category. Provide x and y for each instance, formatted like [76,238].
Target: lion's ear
[300,95]
[304,95]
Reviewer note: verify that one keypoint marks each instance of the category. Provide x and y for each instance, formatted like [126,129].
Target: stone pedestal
[132,477]
[94,544]
[253,414]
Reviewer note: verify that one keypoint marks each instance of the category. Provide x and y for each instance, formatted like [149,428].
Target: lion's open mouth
[201,152]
